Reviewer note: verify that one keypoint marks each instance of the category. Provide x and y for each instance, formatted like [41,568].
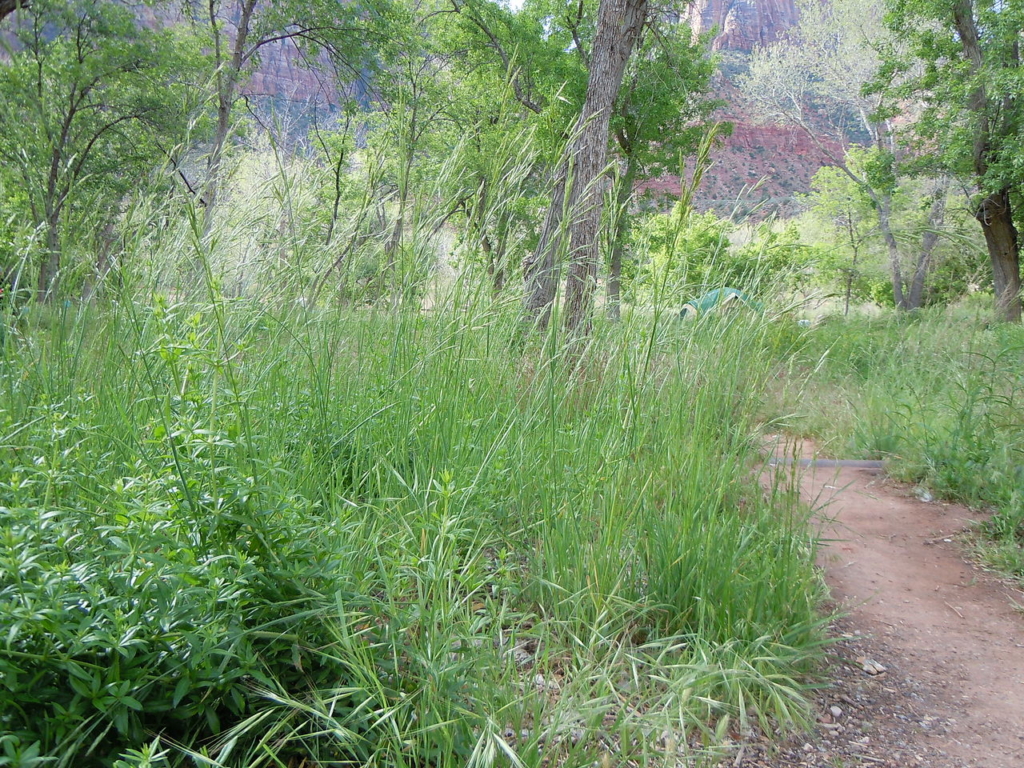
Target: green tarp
[718,299]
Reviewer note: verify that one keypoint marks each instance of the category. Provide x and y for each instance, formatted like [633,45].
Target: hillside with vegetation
[372,433]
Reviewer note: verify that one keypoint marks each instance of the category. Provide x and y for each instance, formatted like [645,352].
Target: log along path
[929,669]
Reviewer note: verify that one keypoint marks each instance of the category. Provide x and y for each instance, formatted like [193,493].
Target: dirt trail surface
[944,640]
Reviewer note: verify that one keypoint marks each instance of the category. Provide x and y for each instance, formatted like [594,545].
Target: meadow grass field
[253,534]
[938,394]
[247,530]
[292,472]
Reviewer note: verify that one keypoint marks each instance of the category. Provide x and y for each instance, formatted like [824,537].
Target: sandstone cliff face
[741,24]
[283,74]
[766,164]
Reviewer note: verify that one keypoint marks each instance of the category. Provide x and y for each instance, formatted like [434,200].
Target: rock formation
[741,24]
[778,160]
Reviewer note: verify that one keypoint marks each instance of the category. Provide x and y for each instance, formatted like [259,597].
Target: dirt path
[950,637]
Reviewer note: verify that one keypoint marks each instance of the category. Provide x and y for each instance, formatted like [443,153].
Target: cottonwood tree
[962,62]
[534,53]
[572,221]
[440,118]
[494,170]
[660,114]
[516,89]
[87,97]
[814,80]
[410,96]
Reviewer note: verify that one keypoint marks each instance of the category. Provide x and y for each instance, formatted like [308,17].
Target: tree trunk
[619,241]
[495,263]
[49,270]
[389,275]
[105,245]
[540,271]
[996,219]
[936,216]
[618,26]
[852,271]
[884,206]
[228,74]
[8,7]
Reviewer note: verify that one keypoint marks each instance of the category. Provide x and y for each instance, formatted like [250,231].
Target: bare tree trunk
[49,270]
[619,242]
[618,26]
[540,268]
[936,217]
[228,74]
[996,219]
[852,271]
[391,248]
[499,277]
[495,263]
[104,247]
[883,203]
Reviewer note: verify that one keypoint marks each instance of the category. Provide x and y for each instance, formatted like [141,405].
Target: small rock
[523,658]
[835,711]
[870,666]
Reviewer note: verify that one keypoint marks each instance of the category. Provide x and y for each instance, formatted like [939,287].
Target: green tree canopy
[961,64]
[89,101]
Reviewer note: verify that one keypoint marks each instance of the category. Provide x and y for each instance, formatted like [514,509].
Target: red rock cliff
[779,160]
[741,24]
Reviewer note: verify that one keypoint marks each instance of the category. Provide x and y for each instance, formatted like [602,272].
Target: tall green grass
[940,394]
[250,518]
[260,532]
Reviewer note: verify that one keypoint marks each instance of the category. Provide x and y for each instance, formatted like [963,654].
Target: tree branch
[7,7]
[574,27]
[506,60]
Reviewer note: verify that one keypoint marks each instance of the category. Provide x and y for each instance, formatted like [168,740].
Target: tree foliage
[89,102]
[961,63]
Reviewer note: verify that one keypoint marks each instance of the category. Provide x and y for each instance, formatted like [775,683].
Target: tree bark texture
[996,219]
[619,241]
[936,217]
[49,270]
[618,26]
[993,210]
[539,268]
[7,7]
[884,205]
